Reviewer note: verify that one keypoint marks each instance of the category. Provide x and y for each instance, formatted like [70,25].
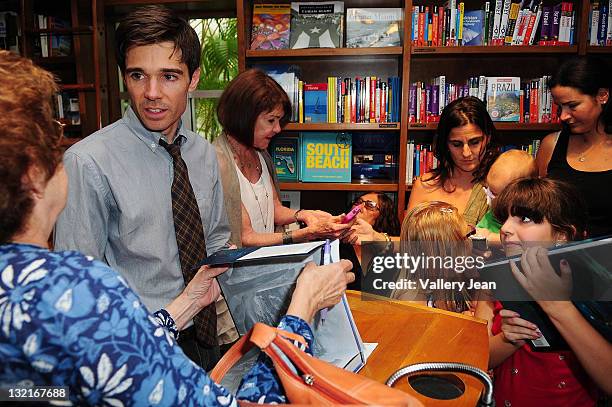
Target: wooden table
[410,333]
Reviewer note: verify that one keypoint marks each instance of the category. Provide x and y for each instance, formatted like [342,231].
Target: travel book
[591,266]
[473,21]
[503,98]
[270,28]
[284,152]
[315,103]
[316,24]
[260,290]
[374,27]
[325,157]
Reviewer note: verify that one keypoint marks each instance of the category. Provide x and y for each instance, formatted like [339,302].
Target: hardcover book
[270,28]
[325,157]
[316,24]
[374,27]
[284,151]
[315,103]
[503,98]
[473,21]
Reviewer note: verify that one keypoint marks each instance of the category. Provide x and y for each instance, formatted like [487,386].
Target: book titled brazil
[315,103]
[503,98]
[473,27]
[270,26]
[325,157]
[316,24]
[373,27]
[284,151]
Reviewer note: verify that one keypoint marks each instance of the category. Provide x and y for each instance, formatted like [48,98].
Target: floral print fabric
[68,320]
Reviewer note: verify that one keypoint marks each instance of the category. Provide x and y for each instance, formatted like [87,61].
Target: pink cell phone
[351,215]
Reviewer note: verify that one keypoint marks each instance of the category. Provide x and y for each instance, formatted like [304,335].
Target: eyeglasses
[369,205]
[59,131]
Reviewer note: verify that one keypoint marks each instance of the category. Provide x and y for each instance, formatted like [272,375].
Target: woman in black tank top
[581,153]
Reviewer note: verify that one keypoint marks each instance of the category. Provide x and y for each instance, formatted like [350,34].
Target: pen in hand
[326,260]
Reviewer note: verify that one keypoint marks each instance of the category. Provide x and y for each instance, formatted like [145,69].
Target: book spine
[535,26]
[530,28]
[554,29]
[412,103]
[443,97]
[497,21]
[545,29]
[415,25]
[514,12]
[594,24]
[603,26]
[461,13]
[609,30]
[485,25]
[421,36]
[434,26]
[503,25]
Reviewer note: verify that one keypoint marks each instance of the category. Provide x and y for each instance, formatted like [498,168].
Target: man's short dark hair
[153,25]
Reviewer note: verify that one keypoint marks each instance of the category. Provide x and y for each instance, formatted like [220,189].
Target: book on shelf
[260,289]
[374,27]
[473,23]
[374,156]
[317,24]
[287,76]
[315,103]
[325,157]
[59,45]
[270,27]
[600,23]
[503,98]
[285,156]
[9,31]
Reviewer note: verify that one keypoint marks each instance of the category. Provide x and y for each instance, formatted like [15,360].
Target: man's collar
[151,138]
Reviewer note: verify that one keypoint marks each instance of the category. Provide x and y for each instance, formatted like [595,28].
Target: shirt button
[561,357]
[507,403]
[561,385]
[153,145]
[515,371]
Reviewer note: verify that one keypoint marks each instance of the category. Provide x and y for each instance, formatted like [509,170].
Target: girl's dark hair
[387,221]
[153,25]
[587,75]
[460,112]
[245,98]
[543,198]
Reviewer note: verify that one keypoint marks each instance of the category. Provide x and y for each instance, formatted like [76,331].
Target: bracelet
[166,320]
[287,237]
[387,238]
[295,215]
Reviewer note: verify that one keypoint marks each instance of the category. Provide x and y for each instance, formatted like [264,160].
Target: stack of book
[600,24]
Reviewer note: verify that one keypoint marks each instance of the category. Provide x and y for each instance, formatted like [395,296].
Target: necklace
[241,158]
[264,219]
[582,157]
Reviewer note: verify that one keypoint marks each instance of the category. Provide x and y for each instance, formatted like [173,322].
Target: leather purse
[316,382]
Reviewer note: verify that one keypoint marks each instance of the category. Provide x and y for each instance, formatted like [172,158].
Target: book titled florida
[325,157]
[270,28]
[503,98]
[284,151]
[316,24]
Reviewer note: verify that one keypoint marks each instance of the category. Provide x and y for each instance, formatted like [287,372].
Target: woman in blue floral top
[69,320]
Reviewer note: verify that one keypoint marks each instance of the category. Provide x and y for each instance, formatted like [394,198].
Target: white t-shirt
[258,198]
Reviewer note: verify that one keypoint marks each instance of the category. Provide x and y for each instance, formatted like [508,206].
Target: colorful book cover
[325,157]
[270,28]
[316,24]
[473,21]
[503,98]
[315,103]
[60,45]
[374,27]
[285,155]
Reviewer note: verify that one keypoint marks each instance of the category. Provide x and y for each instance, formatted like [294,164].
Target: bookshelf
[416,63]
[63,37]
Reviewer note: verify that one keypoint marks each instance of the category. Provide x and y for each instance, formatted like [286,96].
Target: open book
[259,289]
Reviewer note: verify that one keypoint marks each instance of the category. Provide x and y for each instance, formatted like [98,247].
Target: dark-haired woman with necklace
[581,153]
[252,110]
[465,147]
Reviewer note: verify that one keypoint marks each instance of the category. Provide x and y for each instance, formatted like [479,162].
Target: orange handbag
[317,382]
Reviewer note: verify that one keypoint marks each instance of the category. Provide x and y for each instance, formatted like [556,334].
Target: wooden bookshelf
[355,185]
[323,52]
[518,50]
[342,127]
[500,126]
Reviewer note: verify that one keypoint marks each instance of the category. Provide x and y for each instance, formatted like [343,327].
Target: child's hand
[516,330]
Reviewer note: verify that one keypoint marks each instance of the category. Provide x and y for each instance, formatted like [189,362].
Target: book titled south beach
[503,98]
[325,157]
[373,27]
[316,24]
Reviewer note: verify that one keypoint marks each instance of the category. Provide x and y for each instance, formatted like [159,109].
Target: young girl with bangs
[535,213]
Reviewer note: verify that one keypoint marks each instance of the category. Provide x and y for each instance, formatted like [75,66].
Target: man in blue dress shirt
[119,207]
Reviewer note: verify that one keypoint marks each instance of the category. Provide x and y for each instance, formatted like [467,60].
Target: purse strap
[261,335]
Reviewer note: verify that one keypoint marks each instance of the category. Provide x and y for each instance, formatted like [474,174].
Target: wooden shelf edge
[74,31]
[78,86]
[501,126]
[323,52]
[519,49]
[342,127]
[331,186]
[599,50]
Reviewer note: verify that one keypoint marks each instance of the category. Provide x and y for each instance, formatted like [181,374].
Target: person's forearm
[499,350]
[182,310]
[302,307]
[591,349]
